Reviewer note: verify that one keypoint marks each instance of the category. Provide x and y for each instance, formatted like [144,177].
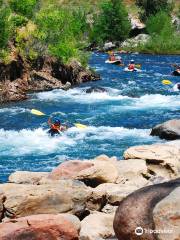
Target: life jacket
[131,66]
[55,127]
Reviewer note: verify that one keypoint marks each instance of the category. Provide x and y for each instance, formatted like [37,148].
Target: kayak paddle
[38,113]
[166,82]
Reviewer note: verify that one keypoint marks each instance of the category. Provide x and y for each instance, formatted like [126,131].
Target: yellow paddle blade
[79,125]
[166,82]
[138,65]
[38,113]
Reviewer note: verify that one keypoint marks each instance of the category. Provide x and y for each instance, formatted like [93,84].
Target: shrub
[23,7]
[112,23]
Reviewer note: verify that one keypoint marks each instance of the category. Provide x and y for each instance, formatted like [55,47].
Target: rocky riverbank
[94,199]
[19,77]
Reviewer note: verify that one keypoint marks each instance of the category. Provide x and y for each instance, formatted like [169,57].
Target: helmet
[57,122]
[132,61]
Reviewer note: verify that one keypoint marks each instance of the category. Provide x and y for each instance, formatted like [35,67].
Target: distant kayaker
[176,87]
[112,57]
[131,66]
[56,128]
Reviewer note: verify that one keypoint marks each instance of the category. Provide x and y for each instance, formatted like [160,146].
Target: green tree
[23,7]
[112,23]
[5,26]
[151,7]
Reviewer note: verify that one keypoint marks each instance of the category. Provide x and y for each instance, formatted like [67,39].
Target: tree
[112,24]
[5,26]
[151,7]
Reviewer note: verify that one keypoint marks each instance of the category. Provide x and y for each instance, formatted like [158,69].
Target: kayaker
[131,66]
[112,57]
[56,128]
[176,87]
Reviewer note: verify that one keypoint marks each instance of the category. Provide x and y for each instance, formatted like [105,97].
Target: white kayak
[134,70]
[176,87]
[113,62]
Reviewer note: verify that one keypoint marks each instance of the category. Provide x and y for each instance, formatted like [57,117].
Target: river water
[117,119]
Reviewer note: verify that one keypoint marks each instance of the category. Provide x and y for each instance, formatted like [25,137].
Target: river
[117,119]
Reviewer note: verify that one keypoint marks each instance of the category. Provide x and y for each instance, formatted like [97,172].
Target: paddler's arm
[49,122]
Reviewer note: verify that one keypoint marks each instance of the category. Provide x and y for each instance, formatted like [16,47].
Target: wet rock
[26,177]
[42,227]
[96,90]
[166,215]
[169,130]
[166,155]
[69,169]
[97,226]
[51,198]
[136,210]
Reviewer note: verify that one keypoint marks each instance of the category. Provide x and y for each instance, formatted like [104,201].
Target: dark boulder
[96,89]
[136,211]
[169,130]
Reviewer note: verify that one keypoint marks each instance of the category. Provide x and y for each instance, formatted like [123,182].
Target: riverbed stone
[164,154]
[169,130]
[26,177]
[41,227]
[166,215]
[64,196]
[97,226]
[2,199]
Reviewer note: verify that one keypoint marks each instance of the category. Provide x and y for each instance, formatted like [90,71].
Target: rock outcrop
[136,211]
[136,41]
[42,227]
[18,77]
[169,130]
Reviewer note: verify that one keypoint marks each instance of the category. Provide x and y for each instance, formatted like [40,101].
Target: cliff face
[18,77]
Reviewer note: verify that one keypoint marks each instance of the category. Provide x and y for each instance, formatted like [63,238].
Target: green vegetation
[151,7]
[112,23]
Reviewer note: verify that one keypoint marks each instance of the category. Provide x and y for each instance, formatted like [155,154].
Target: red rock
[41,227]
[69,170]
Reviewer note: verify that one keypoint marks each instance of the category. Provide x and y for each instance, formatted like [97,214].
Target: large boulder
[114,193]
[136,41]
[133,219]
[41,227]
[51,198]
[165,155]
[169,130]
[102,171]
[69,169]
[26,177]
[97,226]
[166,215]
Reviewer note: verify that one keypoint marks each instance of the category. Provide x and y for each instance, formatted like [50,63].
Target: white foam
[38,142]
[13,110]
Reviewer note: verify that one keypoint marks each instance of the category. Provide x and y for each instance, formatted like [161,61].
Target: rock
[166,215]
[163,154]
[58,197]
[69,169]
[169,130]
[137,208]
[108,208]
[114,192]
[100,172]
[131,172]
[2,199]
[26,177]
[109,46]
[41,227]
[140,39]
[97,226]
[96,90]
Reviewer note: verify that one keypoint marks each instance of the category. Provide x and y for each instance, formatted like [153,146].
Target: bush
[5,26]
[151,7]
[23,7]
[112,24]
